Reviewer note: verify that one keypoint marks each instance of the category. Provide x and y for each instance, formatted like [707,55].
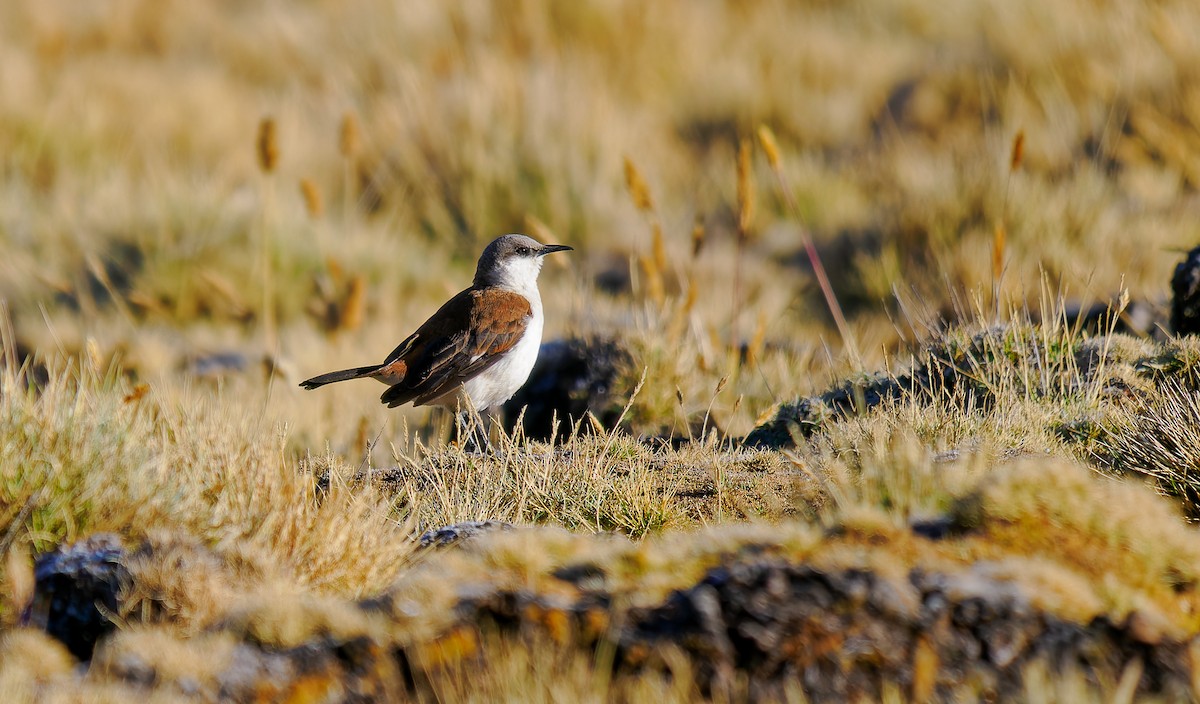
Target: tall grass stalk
[745,219]
[1000,233]
[268,159]
[771,149]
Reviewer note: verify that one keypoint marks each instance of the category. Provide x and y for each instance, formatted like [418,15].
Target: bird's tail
[342,375]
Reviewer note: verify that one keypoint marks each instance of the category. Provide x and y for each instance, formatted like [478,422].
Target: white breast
[499,382]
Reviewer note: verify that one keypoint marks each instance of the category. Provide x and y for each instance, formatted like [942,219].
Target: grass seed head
[638,190]
[692,294]
[766,138]
[350,313]
[268,145]
[312,198]
[697,237]
[660,248]
[654,280]
[349,137]
[1018,151]
[999,240]
[745,190]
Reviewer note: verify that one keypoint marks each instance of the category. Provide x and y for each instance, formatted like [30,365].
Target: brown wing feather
[465,337]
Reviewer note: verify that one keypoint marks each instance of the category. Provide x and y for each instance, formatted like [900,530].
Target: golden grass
[977,162]
[243,549]
[601,483]
[421,179]
[82,455]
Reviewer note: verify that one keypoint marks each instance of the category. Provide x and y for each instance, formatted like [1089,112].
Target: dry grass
[82,455]
[898,161]
[201,204]
[1156,438]
[602,483]
[242,549]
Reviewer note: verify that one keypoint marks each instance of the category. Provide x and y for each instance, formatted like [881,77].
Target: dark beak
[552,248]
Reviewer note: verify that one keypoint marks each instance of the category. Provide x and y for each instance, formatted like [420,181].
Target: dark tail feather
[343,375]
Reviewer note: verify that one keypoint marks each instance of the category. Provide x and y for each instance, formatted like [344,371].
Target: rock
[586,577]
[963,372]
[950,369]
[779,622]
[26,367]
[323,669]
[750,628]
[77,589]
[459,532]
[355,670]
[1185,287]
[217,365]
[937,528]
[613,277]
[571,378]
[585,621]
[847,634]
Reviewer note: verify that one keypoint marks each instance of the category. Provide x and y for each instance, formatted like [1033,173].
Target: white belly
[499,382]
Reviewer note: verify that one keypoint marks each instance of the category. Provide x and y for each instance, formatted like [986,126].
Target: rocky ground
[1035,566]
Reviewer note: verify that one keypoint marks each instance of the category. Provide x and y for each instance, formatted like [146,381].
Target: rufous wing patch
[500,320]
[393,372]
[466,336]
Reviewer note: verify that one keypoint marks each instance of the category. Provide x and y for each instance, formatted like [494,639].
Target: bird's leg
[463,429]
[473,433]
[484,441]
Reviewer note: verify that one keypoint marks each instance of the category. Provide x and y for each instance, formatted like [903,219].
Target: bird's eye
[523,251]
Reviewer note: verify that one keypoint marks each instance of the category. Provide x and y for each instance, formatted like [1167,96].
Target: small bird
[481,343]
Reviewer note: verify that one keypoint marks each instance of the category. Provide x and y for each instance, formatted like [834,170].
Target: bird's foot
[473,437]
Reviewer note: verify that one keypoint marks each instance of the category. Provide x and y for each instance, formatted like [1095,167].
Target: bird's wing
[465,337]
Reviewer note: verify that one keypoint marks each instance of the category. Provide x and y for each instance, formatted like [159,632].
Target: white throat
[519,275]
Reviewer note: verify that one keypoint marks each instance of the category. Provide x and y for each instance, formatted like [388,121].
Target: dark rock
[950,371]
[108,276]
[750,628]
[571,378]
[938,528]
[958,372]
[459,532]
[77,590]
[357,669]
[1185,288]
[115,271]
[776,622]
[216,365]
[585,577]
[847,634]
[613,277]
[584,621]
[23,364]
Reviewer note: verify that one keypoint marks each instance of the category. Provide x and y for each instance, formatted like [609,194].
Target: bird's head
[513,261]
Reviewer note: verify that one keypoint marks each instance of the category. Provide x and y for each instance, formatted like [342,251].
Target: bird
[479,348]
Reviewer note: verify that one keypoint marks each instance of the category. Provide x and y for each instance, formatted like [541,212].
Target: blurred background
[228,197]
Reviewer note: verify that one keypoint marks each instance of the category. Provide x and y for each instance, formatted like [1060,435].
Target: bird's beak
[551,248]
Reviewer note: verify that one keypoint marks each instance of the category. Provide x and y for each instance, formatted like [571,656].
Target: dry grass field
[202,204]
